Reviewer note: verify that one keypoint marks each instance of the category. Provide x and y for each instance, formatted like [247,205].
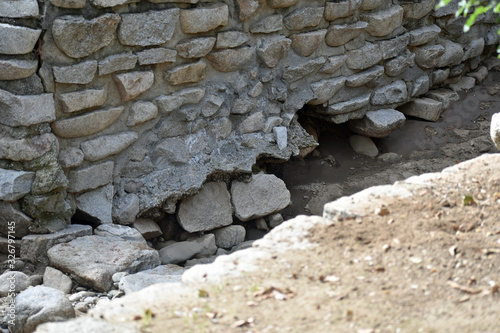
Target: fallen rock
[262,196]
[208,209]
[92,260]
[56,279]
[363,145]
[159,274]
[466,83]
[378,124]
[227,237]
[179,252]
[38,305]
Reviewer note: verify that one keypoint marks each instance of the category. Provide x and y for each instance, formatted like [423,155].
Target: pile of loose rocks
[83,266]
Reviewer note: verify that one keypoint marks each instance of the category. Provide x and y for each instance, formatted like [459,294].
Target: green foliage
[472,9]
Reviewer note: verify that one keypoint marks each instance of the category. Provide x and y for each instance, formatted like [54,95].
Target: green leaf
[468,200]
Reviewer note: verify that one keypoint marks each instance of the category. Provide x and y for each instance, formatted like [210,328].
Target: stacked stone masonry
[119,109]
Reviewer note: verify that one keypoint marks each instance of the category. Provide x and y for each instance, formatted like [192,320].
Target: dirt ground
[425,264]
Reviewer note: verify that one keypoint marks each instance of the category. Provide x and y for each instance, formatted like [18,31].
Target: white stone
[281,134]
[363,145]
[495,129]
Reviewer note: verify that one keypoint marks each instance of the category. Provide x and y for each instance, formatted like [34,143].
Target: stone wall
[119,108]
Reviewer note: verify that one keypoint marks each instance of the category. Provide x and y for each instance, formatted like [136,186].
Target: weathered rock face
[134,107]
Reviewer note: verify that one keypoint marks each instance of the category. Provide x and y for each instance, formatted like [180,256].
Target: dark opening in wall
[81,217]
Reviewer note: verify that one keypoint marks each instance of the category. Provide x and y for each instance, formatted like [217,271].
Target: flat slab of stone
[117,62]
[424,35]
[91,177]
[81,73]
[349,106]
[231,39]
[364,57]
[424,108]
[272,50]
[132,84]
[19,8]
[378,124]
[465,83]
[78,37]
[263,195]
[34,247]
[204,19]
[281,3]
[208,209]
[157,55]
[86,124]
[13,69]
[231,60]
[16,39]
[150,28]
[444,96]
[363,77]
[82,100]
[92,260]
[26,110]
[73,4]
[107,145]
[127,233]
[160,274]
[363,145]
[189,73]
[15,184]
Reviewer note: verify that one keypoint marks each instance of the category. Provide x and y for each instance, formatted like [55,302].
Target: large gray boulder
[229,236]
[208,209]
[262,196]
[38,305]
[92,260]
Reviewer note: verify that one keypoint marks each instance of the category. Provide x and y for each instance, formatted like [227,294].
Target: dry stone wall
[118,108]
